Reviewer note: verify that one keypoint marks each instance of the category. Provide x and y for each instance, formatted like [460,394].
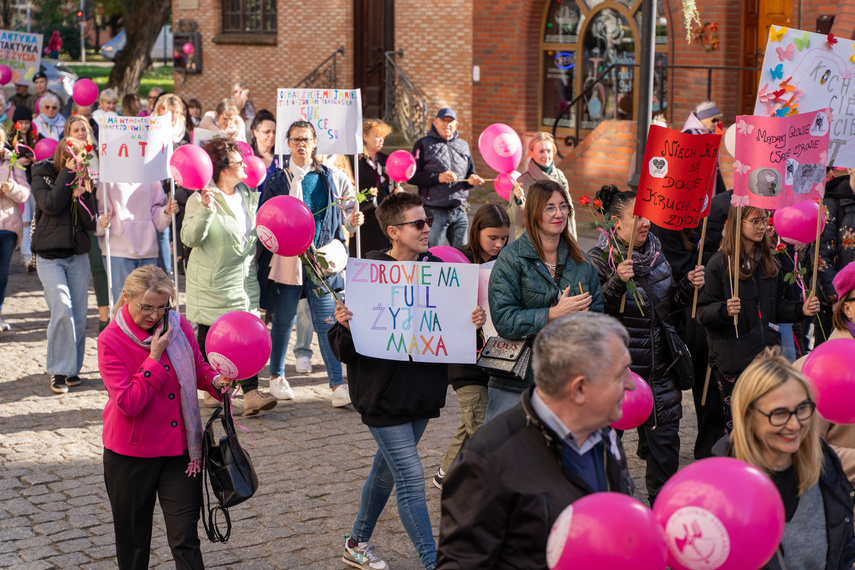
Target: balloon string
[232,412]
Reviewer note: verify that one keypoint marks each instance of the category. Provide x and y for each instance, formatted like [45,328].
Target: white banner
[335,114]
[485,269]
[201,136]
[135,149]
[404,309]
[805,72]
[22,52]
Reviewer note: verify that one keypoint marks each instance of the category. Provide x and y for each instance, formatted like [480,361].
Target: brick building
[513,61]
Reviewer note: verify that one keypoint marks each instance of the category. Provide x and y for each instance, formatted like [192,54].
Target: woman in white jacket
[14,190]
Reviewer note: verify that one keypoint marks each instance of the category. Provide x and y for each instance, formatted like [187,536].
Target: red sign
[677,177]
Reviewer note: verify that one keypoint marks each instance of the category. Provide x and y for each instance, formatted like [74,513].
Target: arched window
[580,40]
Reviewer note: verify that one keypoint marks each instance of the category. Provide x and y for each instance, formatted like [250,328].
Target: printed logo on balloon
[267,238]
[558,537]
[506,144]
[698,538]
[223,364]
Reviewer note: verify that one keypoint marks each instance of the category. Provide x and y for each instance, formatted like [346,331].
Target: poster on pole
[780,161]
[335,114]
[804,72]
[135,149]
[22,52]
[407,309]
[676,177]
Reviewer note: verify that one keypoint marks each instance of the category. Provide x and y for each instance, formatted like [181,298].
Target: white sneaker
[304,365]
[362,556]
[4,326]
[280,389]
[341,396]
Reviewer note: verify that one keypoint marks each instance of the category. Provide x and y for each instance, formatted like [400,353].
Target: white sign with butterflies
[805,72]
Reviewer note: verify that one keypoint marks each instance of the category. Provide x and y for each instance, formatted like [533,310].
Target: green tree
[51,15]
[142,20]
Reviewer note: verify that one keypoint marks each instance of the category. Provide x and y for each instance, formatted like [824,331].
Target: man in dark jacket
[444,174]
[510,482]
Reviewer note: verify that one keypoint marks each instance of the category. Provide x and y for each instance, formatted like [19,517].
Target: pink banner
[780,161]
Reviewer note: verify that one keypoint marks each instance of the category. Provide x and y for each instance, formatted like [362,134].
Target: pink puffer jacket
[10,202]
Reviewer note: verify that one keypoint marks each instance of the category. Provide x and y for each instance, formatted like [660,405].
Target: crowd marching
[525,449]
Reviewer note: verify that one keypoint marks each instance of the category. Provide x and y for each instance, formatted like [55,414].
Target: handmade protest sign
[780,161]
[677,172]
[406,309]
[805,72]
[201,136]
[335,114]
[22,52]
[484,271]
[135,149]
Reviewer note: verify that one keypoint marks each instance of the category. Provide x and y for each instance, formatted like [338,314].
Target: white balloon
[730,140]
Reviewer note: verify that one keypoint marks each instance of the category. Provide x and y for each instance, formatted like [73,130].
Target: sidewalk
[311,461]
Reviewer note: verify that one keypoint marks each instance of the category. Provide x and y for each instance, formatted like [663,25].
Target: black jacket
[759,296]
[434,155]
[647,344]
[507,487]
[838,498]
[390,392]
[371,236]
[837,242]
[57,235]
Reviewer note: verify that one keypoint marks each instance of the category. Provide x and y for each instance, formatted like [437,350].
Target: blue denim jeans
[397,465]
[66,284]
[284,317]
[120,268]
[29,208]
[305,330]
[453,224]
[7,246]
[499,401]
[164,251]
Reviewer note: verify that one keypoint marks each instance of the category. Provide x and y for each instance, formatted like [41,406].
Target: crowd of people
[524,449]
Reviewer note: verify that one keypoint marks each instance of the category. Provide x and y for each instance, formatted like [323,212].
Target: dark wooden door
[757,16]
[374,35]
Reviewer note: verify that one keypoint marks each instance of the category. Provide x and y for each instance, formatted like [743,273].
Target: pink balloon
[606,530]
[37,108]
[797,224]
[449,254]
[45,148]
[504,184]
[285,226]
[85,92]
[256,172]
[832,376]
[188,48]
[636,406]
[500,147]
[245,149]
[191,167]
[238,345]
[720,513]
[400,165]
[5,74]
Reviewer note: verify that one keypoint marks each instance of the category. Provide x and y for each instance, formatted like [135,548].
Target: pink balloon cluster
[501,149]
[84,92]
[797,224]
[285,226]
[238,345]
[400,166]
[191,167]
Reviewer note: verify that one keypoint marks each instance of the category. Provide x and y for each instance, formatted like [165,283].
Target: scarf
[851,328]
[51,122]
[181,356]
[178,131]
[546,169]
[643,258]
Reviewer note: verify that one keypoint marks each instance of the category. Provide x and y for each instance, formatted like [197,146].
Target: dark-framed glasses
[418,224]
[300,141]
[781,416]
[149,309]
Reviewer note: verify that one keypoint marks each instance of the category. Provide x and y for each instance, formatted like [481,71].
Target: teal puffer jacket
[221,273]
[522,291]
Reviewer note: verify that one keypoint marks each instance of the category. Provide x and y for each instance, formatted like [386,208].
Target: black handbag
[228,467]
[506,358]
[684,370]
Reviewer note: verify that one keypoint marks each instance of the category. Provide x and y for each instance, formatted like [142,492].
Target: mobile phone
[165,323]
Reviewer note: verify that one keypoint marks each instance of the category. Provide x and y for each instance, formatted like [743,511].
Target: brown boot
[211,402]
[255,400]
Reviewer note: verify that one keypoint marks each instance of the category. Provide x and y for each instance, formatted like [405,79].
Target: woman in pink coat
[14,191]
[152,427]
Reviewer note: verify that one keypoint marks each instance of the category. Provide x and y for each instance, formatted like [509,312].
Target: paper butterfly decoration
[785,53]
[794,109]
[776,36]
[823,156]
[785,85]
[782,112]
[741,168]
[778,71]
[739,200]
[831,41]
[763,95]
[777,95]
[802,42]
[796,96]
[744,128]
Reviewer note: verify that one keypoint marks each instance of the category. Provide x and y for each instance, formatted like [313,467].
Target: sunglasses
[48,107]
[418,224]
[716,121]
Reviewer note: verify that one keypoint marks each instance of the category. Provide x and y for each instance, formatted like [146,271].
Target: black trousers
[659,446]
[202,331]
[133,484]
[711,414]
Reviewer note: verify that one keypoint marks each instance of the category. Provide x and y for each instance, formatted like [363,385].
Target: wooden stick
[581,290]
[816,252]
[706,386]
[736,264]
[700,261]
[731,289]
[629,256]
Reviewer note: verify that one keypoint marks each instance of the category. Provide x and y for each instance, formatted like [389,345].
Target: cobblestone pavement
[311,460]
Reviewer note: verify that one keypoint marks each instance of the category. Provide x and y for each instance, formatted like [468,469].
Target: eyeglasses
[148,309]
[552,208]
[48,107]
[758,224]
[300,141]
[418,224]
[781,416]
[238,163]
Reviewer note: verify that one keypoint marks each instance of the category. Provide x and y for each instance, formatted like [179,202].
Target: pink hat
[844,281]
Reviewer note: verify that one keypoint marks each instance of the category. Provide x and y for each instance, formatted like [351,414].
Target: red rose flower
[781,247]
[598,204]
[88,148]
[69,143]
[584,200]
[771,222]
[18,126]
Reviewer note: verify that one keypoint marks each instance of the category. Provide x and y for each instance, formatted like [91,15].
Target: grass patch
[156,77]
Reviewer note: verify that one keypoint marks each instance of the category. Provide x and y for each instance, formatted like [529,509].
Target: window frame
[263,16]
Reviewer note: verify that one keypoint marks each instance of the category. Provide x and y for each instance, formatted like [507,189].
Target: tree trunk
[142,20]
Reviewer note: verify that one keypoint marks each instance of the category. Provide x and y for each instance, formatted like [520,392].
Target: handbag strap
[209,513]
[657,302]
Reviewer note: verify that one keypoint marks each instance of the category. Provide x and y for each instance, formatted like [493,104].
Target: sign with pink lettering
[135,149]
[335,116]
[408,309]
[780,161]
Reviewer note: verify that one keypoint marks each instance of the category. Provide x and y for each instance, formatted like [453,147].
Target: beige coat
[10,202]
[516,211]
[840,437]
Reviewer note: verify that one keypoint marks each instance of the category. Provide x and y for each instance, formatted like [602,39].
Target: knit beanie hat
[22,113]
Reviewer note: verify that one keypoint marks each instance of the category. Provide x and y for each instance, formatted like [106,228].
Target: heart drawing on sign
[658,163]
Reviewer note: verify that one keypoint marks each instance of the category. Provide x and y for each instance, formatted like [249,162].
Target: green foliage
[156,77]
